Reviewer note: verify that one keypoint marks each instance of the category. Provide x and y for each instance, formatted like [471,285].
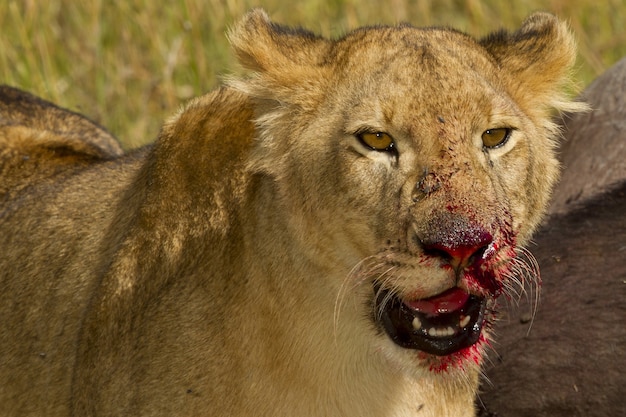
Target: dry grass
[130,64]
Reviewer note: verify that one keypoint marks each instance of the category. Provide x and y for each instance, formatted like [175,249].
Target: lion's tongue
[446,302]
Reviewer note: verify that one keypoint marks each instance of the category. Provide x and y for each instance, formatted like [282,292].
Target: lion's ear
[538,59]
[262,45]
[283,58]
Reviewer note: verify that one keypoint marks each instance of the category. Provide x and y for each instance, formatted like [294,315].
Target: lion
[325,236]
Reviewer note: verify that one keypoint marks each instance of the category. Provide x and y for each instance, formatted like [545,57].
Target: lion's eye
[379,141]
[494,138]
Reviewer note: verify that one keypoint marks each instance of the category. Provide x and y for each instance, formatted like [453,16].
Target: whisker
[524,274]
[370,269]
[360,272]
[384,279]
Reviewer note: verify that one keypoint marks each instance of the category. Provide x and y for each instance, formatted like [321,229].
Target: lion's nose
[459,243]
[458,256]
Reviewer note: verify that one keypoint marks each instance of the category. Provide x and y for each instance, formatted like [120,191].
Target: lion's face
[412,161]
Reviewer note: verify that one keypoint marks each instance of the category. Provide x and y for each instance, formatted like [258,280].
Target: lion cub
[325,237]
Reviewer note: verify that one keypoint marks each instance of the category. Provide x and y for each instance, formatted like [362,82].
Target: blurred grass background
[130,64]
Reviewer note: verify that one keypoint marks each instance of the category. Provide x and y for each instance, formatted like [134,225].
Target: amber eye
[494,138]
[379,141]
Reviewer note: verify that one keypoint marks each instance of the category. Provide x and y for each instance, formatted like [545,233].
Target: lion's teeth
[417,324]
[442,332]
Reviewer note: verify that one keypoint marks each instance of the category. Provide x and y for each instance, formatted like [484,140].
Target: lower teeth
[441,332]
[434,332]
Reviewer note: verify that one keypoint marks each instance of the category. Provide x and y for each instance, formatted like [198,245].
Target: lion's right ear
[284,59]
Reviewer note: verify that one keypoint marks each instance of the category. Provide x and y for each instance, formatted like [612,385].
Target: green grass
[130,64]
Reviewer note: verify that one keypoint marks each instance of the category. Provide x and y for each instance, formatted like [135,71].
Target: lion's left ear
[537,60]
[285,60]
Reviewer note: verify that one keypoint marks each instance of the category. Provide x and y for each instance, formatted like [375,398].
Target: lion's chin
[440,325]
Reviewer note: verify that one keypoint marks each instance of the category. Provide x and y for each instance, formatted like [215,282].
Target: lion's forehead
[409,75]
[414,50]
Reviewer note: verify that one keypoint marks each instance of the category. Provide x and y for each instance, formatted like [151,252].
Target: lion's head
[419,159]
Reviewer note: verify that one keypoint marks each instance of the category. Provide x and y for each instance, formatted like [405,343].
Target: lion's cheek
[342,228]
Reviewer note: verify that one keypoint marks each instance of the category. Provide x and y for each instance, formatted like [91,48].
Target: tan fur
[229,268]
[40,140]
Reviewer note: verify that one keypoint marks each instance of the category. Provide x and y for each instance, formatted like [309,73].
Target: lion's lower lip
[435,331]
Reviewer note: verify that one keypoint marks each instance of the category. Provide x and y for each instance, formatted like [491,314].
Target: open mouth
[439,325]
